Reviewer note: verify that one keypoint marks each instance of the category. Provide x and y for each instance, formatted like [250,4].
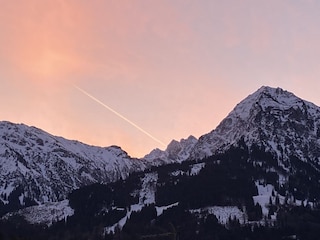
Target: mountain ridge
[38,167]
[257,172]
[41,167]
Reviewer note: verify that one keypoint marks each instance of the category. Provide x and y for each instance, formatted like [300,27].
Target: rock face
[273,119]
[36,167]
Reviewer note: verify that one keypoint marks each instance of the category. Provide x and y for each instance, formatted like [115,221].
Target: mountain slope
[273,119]
[38,167]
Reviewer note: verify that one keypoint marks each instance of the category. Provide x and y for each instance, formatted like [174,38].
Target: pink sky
[173,67]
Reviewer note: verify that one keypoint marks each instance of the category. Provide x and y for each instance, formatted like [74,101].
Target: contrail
[119,115]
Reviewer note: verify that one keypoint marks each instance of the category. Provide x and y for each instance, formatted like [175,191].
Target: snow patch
[222,213]
[196,168]
[163,208]
[47,213]
[177,173]
[264,195]
[6,191]
[148,188]
[21,199]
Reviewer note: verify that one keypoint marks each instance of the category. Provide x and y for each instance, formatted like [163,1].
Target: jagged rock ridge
[175,151]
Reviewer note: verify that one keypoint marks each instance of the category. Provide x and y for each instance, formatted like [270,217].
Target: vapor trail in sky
[119,115]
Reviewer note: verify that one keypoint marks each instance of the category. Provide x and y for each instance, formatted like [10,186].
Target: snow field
[46,213]
[222,213]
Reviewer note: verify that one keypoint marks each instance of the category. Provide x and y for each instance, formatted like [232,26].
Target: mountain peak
[176,151]
[272,118]
[268,89]
[277,95]
[263,98]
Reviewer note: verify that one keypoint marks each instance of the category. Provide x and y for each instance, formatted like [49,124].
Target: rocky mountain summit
[273,119]
[176,152]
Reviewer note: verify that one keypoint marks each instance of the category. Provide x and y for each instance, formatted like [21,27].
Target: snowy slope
[273,119]
[41,167]
[47,213]
[222,213]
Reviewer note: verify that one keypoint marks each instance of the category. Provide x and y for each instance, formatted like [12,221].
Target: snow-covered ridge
[272,118]
[38,167]
[44,168]
[175,151]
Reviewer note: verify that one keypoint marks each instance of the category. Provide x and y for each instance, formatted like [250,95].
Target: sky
[138,74]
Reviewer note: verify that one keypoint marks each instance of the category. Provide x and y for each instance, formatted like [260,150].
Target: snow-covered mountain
[259,167]
[273,119]
[175,152]
[38,167]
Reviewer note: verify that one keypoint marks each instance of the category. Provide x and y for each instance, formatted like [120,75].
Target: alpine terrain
[256,176]
[37,167]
